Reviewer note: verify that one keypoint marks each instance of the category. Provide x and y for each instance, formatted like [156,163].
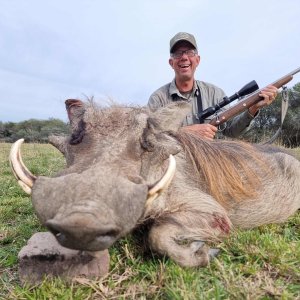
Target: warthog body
[116,154]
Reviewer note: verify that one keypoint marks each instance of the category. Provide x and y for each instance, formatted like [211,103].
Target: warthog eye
[146,142]
[135,179]
[147,145]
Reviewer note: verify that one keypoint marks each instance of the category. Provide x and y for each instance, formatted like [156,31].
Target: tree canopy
[32,130]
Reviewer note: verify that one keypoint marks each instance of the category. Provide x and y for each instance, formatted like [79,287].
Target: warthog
[127,166]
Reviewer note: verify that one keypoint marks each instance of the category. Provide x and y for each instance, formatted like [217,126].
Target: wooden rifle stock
[248,101]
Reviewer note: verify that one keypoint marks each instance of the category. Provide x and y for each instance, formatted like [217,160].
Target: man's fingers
[213,128]
[205,130]
[269,92]
[211,137]
[208,135]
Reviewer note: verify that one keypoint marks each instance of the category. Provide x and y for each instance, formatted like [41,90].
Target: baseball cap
[182,36]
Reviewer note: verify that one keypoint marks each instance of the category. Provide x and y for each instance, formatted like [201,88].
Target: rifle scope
[245,90]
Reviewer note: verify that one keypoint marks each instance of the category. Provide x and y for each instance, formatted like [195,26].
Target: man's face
[184,65]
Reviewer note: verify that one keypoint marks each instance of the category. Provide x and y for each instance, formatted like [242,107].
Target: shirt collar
[173,90]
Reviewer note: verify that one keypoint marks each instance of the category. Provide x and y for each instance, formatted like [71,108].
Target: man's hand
[269,94]
[204,130]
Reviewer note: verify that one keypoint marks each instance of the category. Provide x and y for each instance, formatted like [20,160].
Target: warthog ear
[172,116]
[76,109]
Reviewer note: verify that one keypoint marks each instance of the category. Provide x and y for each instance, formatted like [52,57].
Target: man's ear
[171,61]
[198,60]
[170,118]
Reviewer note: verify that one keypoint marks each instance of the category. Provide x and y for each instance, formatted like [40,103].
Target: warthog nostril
[60,237]
[64,231]
[52,228]
[112,232]
[58,234]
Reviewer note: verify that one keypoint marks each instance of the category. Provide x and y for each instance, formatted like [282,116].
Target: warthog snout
[83,231]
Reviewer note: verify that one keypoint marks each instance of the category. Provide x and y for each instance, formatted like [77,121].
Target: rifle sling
[284,108]
[199,105]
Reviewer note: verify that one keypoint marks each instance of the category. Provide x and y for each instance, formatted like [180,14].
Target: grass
[263,263]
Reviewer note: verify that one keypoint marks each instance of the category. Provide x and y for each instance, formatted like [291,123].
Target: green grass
[263,263]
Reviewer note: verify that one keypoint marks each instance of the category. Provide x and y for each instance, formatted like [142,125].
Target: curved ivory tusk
[25,187]
[22,174]
[163,183]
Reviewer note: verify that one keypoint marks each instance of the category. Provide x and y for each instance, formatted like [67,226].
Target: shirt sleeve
[154,102]
[159,98]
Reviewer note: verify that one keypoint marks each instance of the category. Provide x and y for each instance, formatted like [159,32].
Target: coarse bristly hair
[225,167]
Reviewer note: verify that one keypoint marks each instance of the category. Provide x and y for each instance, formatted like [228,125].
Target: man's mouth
[184,66]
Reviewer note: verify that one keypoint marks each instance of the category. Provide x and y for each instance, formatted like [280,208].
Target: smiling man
[184,60]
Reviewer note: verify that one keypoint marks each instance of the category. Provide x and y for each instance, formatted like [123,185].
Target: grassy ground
[257,264]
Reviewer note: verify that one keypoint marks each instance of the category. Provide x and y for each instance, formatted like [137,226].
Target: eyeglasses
[189,53]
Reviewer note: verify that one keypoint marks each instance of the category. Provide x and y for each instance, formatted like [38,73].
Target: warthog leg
[168,239]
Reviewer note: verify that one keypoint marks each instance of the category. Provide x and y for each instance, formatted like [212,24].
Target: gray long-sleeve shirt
[210,95]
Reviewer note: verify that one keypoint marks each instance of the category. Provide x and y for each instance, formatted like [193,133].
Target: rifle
[246,103]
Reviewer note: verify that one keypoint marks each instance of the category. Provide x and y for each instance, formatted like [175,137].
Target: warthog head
[117,159]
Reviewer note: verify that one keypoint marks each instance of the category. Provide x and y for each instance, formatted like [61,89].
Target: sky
[54,50]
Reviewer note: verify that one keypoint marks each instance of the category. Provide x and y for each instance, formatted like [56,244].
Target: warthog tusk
[25,187]
[163,183]
[22,174]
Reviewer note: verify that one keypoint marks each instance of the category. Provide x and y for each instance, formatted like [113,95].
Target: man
[184,59]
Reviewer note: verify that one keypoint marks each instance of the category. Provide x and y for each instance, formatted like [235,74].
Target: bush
[269,120]
[32,130]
